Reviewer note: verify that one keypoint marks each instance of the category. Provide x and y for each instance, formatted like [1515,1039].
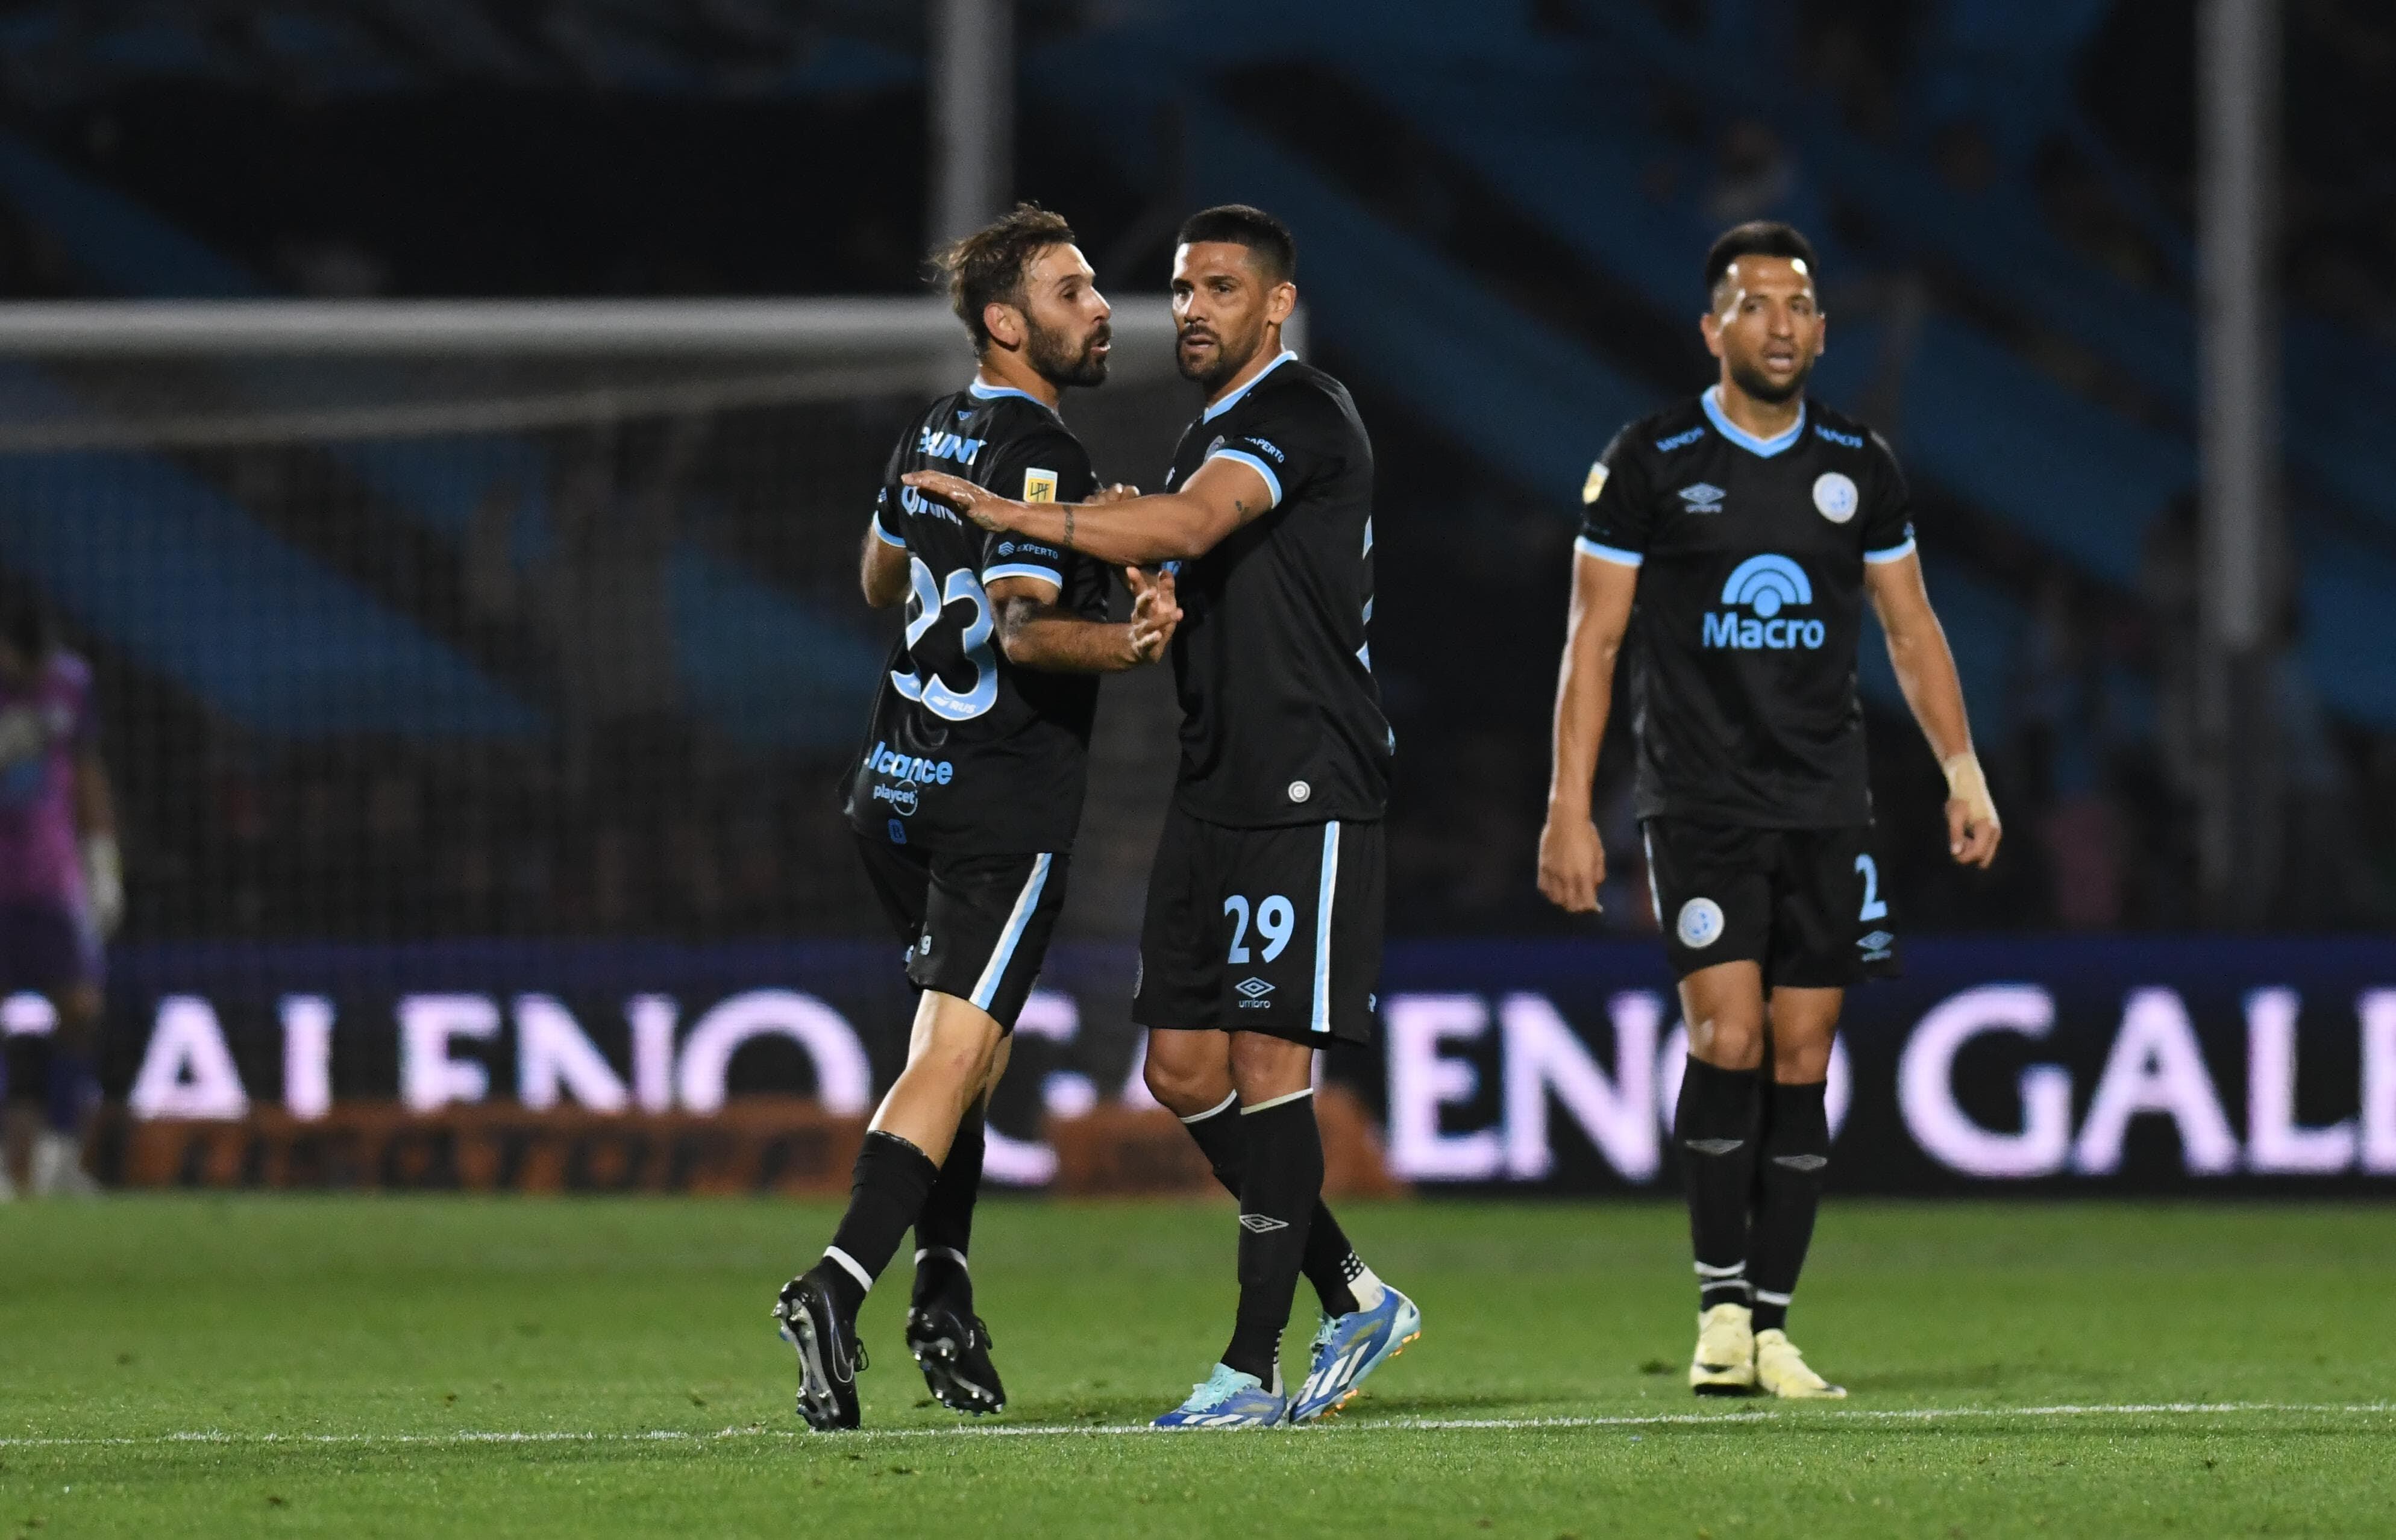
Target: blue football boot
[1348,1347]
[1229,1398]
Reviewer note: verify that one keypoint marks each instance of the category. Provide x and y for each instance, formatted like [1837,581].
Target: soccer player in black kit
[966,798]
[1735,537]
[1263,939]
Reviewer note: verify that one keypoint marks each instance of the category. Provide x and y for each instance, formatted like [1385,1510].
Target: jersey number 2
[1875,907]
[931,604]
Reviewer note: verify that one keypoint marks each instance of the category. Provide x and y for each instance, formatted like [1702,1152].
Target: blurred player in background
[61,892]
[967,795]
[1737,536]
[1262,939]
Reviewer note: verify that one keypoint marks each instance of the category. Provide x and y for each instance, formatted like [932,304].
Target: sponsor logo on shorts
[1875,946]
[901,798]
[908,767]
[1700,924]
[898,832]
[1251,993]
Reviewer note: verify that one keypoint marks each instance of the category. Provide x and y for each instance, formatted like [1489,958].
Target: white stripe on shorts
[1025,902]
[1322,1022]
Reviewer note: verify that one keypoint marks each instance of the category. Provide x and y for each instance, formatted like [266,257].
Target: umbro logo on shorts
[1262,1224]
[1255,988]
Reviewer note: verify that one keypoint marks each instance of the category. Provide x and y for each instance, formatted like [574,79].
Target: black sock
[1716,1129]
[1277,1200]
[944,1230]
[1331,1263]
[1796,1146]
[893,1178]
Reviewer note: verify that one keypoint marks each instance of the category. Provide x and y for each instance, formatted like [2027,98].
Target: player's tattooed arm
[882,569]
[1135,531]
[1035,634]
[1572,857]
[1926,672]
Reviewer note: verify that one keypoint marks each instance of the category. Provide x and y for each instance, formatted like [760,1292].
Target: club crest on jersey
[1590,489]
[1834,495]
[1704,498]
[1764,585]
[1041,485]
[951,446]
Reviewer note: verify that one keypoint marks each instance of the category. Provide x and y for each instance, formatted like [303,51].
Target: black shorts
[1263,930]
[1807,904]
[975,926]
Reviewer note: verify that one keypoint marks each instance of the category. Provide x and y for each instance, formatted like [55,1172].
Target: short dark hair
[1757,238]
[27,628]
[987,267]
[1268,240]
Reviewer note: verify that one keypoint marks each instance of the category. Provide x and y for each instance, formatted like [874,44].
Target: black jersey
[1750,555]
[1281,718]
[966,752]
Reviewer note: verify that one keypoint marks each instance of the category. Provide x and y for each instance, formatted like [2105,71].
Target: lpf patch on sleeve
[1596,483]
[1039,485]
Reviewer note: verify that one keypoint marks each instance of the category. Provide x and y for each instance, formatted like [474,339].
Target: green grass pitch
[401,1366]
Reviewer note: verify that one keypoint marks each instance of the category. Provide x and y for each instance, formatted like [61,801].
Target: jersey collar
[1211,413]
[980,392]
[1740,436]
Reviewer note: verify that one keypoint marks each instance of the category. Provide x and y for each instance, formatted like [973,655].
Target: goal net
[425,620]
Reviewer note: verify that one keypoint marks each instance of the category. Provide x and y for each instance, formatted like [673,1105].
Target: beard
[1755,382]
[1062,363]
[1230,359]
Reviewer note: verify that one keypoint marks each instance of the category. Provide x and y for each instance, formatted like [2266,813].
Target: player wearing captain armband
[1734,540]
[62,893]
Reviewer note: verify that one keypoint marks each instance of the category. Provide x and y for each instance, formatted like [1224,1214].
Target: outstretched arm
[1034,633]
[1170,526]
[1572,857]
[1926,671]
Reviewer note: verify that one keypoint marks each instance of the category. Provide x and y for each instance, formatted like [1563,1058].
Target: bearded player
[966,798]
[1736,537]
[1263,939]
[61,890]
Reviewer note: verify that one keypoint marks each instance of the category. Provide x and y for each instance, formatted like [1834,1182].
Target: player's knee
[1804,1063]
[1731,1040]
[1185,1089]
[1264,1068]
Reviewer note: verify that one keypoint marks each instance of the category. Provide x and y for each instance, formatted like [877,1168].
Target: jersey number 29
[931,603]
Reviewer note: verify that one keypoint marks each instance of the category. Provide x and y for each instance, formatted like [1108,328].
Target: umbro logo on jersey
[1704,498]
[1766,585]
[1261,1223]
[1255,988]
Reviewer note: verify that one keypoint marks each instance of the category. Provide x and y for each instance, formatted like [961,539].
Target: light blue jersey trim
[1619,557]
[1740,436]
[1273,482]
[980,392]
[1024,569]
[884,536]
[1026,902]
[1322,1022]
[1894,553]
[1211,413]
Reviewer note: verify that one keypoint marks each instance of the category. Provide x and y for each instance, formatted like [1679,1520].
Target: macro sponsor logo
[907,767]
[1679,441]
[949,447]
[1852,441]
[1766,585]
